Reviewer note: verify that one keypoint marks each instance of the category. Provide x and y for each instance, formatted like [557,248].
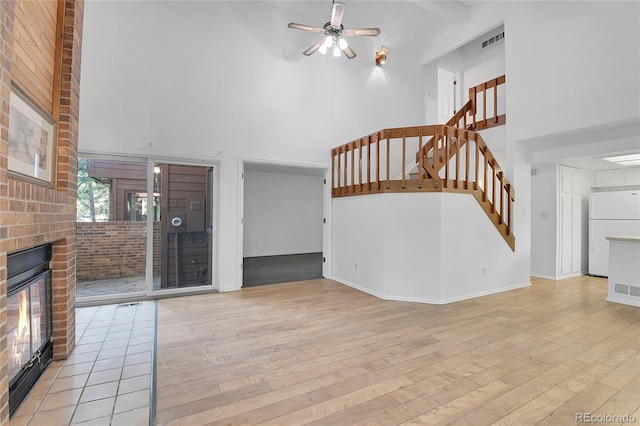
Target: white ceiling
[407,26]
[595,163]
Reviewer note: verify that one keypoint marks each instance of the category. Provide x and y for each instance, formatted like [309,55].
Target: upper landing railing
[448,158]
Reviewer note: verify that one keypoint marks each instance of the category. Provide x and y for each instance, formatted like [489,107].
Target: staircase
[450,157]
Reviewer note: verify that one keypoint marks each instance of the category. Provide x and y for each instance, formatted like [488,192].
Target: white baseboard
[357,287]
[624,300]
[430,301]
[279,253]
[546,277]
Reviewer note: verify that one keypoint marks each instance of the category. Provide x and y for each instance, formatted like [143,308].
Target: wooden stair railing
[486,121]
[425,166]
[466,118]
[450,158]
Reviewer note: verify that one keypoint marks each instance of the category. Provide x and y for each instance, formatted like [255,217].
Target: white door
[576,233]
[570,234]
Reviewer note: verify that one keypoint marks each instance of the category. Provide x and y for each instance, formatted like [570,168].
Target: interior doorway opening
[283,223]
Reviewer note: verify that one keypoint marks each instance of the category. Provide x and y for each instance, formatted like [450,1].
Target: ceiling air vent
[492,40]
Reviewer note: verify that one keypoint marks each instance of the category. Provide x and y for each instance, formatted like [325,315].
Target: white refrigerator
[611,214]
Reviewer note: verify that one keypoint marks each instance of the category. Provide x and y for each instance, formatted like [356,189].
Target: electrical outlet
[484,272]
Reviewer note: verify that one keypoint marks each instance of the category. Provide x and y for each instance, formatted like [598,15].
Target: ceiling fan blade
[305,27]
[350,54]
[361,32]
[310,51]
[336,14]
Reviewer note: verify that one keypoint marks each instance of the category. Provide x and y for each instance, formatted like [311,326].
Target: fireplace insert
[29,329]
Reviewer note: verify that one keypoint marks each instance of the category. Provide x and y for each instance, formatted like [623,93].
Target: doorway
[449,94]
[283,223]
[183,239]
[144,227]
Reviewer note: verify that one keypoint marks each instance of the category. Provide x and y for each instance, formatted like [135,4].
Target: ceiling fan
[333,32]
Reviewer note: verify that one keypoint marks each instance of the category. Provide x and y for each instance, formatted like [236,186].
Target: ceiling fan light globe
[328,42]
[336,52]
[342,43]
[323,49]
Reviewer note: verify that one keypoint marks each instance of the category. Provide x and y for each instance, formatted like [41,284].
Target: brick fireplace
[45,67]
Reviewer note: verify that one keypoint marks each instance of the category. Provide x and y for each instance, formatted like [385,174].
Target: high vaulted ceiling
[408,27]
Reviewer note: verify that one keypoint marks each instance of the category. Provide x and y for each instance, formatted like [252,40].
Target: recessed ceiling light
[624,160]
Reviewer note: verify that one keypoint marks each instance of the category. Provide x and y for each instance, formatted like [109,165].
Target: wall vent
[627,290]
[621,289]
[493,39]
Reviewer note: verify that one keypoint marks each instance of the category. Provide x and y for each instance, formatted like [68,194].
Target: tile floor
[106,380]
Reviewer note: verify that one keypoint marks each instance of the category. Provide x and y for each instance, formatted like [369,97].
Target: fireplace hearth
[29,330]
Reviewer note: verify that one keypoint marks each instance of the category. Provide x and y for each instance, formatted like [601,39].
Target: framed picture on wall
[31,139]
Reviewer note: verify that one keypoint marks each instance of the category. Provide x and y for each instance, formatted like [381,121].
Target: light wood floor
[322,353]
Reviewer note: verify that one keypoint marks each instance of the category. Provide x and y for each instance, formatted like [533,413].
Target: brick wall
[33,213]
[114,249]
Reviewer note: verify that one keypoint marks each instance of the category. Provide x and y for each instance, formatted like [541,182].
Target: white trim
[213,287]
[279,253]
[571,275]
[167,158]
[240,228]
[327,231]
[268,162]
[624,300]
[326,240]
[431,301]
[150,293]
[357,287]
[546,277]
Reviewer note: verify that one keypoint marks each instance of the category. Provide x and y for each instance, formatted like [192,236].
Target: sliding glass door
[183,238]
[111,228]
[142,227]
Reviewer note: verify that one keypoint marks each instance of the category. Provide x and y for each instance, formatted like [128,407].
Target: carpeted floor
[281,269]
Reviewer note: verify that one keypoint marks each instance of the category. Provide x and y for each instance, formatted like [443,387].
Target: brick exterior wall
[31,213]
[114,249]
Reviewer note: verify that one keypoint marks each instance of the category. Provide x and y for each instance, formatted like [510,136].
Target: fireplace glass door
[28,323]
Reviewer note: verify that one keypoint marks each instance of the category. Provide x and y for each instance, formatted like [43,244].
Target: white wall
[222,80]
[482,64]
[358,243]
[425,247]
[475,258]
[412,242]
[571,65]
[282,213]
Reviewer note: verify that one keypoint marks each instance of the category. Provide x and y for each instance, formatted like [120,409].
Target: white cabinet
[624,274]
[571,231]
[618,177]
